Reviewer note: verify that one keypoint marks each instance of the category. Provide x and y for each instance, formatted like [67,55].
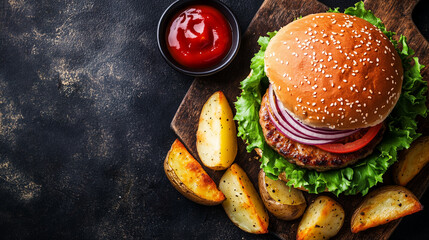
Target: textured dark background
[86,102]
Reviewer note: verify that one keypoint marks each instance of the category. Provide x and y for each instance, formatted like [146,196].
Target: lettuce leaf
[358,178]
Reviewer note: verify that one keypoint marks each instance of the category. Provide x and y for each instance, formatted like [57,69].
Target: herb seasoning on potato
[282,201]
[216,134]
[189,178]
[323,219]
[384,205]
[412,161]
[243,204]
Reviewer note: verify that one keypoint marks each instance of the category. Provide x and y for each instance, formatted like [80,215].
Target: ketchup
[198,37]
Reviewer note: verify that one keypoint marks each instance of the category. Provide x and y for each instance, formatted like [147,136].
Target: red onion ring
[298,131]
[295,137]
[279,117]
[299,124]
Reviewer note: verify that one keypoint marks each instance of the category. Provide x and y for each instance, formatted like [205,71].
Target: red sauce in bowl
[198,37]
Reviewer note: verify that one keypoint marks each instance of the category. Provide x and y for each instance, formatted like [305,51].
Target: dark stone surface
[86,102]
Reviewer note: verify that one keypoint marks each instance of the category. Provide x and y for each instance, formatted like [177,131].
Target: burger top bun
[334,70]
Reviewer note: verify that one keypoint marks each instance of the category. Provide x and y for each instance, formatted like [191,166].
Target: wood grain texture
[271,16]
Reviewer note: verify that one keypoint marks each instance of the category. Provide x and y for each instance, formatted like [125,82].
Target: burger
[328,103]
[348,82]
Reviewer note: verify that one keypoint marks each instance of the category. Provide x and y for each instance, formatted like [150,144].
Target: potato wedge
[412,161]
[323,219]
[282,201]
[189,178]
[384,205]
[243,204]
[216,134]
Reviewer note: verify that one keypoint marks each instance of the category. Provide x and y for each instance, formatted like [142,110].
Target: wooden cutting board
[272,15]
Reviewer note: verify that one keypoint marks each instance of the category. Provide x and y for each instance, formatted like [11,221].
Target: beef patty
[308,156]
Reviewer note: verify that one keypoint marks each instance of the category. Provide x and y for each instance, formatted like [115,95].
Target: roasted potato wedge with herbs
[243,204]
[323,219]
[189,178]
[384,205]
[216,134]
[282,201]
[412,161]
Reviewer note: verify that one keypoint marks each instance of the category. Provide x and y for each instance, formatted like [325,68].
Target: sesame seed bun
[334,70]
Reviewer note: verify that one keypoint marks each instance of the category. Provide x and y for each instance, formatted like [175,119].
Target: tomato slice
[352,146]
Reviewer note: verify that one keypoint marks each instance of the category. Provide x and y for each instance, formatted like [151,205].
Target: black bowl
[181,4]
